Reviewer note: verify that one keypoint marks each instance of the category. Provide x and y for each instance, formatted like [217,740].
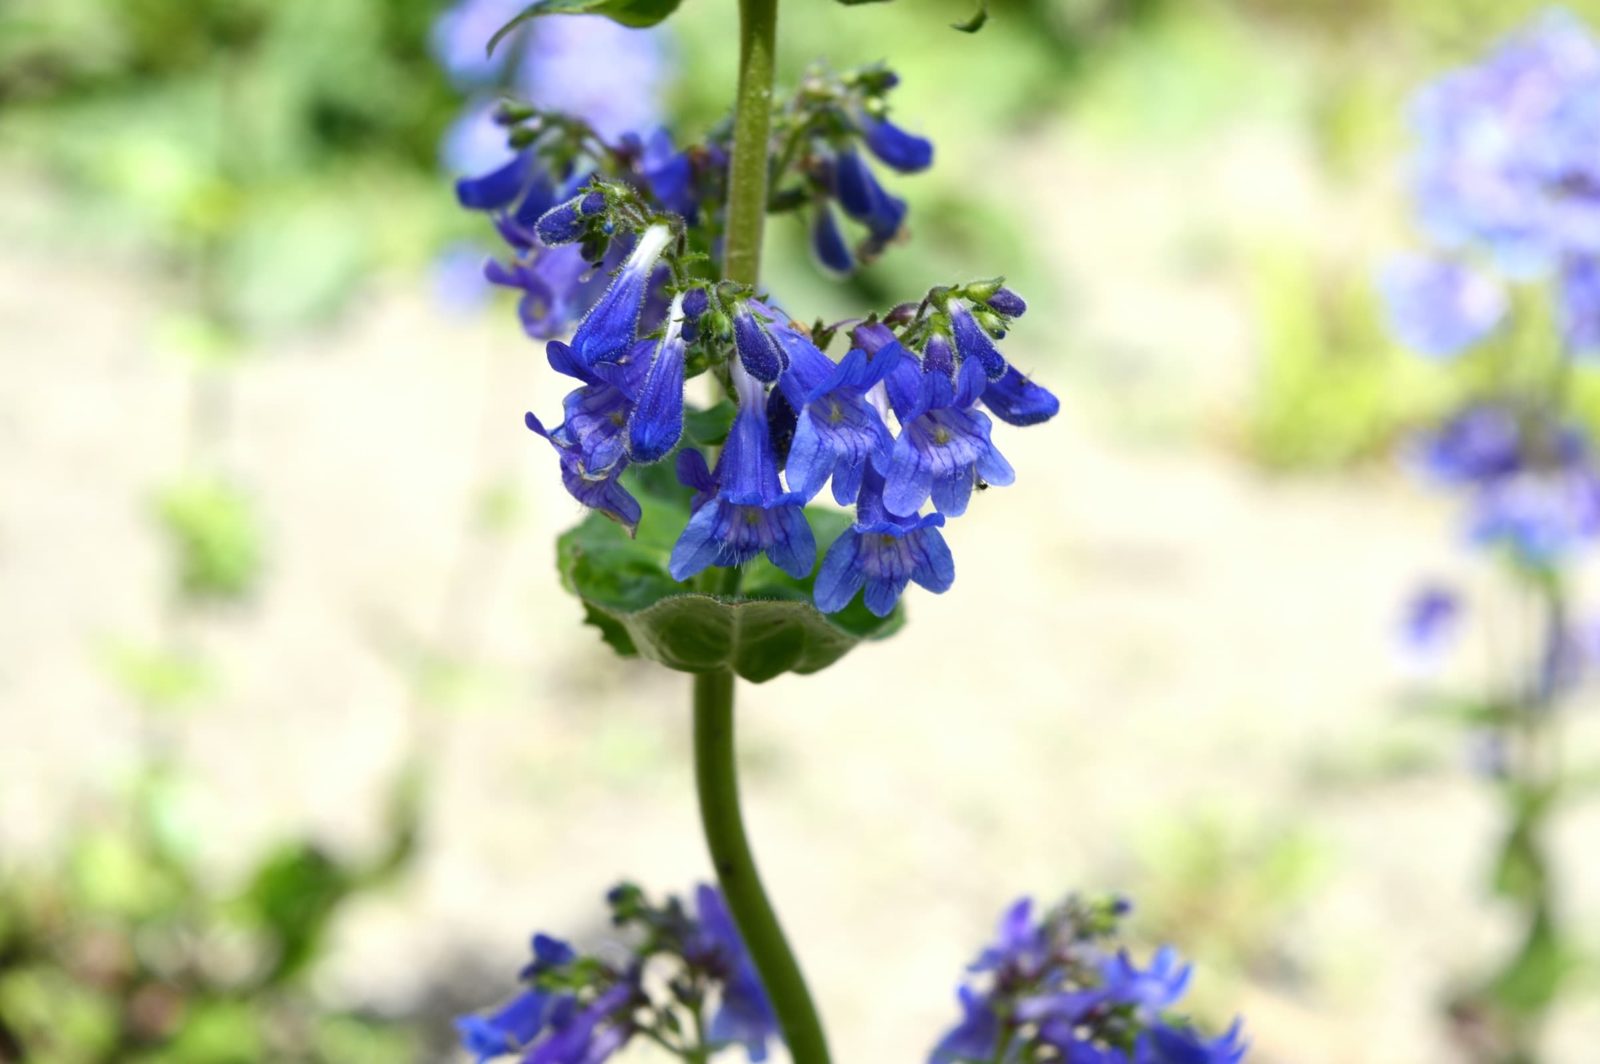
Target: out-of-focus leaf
[160,678]
[292,896]
[978,20]
[214,531]
[635,13]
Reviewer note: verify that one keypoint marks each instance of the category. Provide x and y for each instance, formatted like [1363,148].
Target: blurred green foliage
[215,538]
[127,951]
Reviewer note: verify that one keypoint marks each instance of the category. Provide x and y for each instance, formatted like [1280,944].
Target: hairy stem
[752,123]
[716,778]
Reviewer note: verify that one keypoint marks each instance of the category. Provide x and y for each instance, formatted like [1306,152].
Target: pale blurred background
[271,530]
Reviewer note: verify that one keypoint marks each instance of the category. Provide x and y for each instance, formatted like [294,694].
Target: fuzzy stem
[752,123]
[716,778]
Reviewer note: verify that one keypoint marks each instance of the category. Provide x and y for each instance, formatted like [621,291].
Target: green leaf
[636,13]
[976,22]
[769,629]
[709,428]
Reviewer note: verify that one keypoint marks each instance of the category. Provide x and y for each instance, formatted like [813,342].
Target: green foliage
[1224,885]
[159,678]
[770,628]
[216,538]
[636,13]
[1334,389]
[127,950]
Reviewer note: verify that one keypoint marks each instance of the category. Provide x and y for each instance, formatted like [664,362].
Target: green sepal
[636,13]
[770,628]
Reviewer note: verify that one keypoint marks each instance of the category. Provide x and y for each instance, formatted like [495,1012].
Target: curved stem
[716,778]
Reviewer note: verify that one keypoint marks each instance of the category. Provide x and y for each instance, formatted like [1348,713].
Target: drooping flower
[882,553]
[1440,307]
[1477,445]
[656,423]
[744,1013]
[865,200]
[827,241]
[943,449]
[507,1029]
[905,152]
[591,441]
[613,322]
[1019,400]
[837,433]
[750,513]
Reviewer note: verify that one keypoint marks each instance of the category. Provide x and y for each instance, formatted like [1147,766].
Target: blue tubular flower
[1152,990]
[883,553]
[613,322]
[591,440]
[760,354]
[592,1034]
[750,514]
[557,286]
[971,1039]
[744,1015]
[1182,1045]
[1439,307]
[944,448]
[903,151]
[1017,400]
[656,423]
[838,433]
[865,200]
[516,1024]
[973,342]
[827,241]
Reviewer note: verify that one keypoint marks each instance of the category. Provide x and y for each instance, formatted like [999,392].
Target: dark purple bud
[695,302]
[872,337]
[938,357]
[760,354]
[903,151]
[1008,303]
[563,223]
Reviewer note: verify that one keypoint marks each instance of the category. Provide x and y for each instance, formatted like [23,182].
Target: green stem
[716,778]
[752,124]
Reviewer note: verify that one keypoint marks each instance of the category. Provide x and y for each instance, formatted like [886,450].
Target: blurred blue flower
[1505,157]
[1048,988]
[1432,621]
[1441,307]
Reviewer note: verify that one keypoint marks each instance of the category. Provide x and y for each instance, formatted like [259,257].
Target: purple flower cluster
[1507,185]
[1050,987]
[583,1009]
[803,422]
